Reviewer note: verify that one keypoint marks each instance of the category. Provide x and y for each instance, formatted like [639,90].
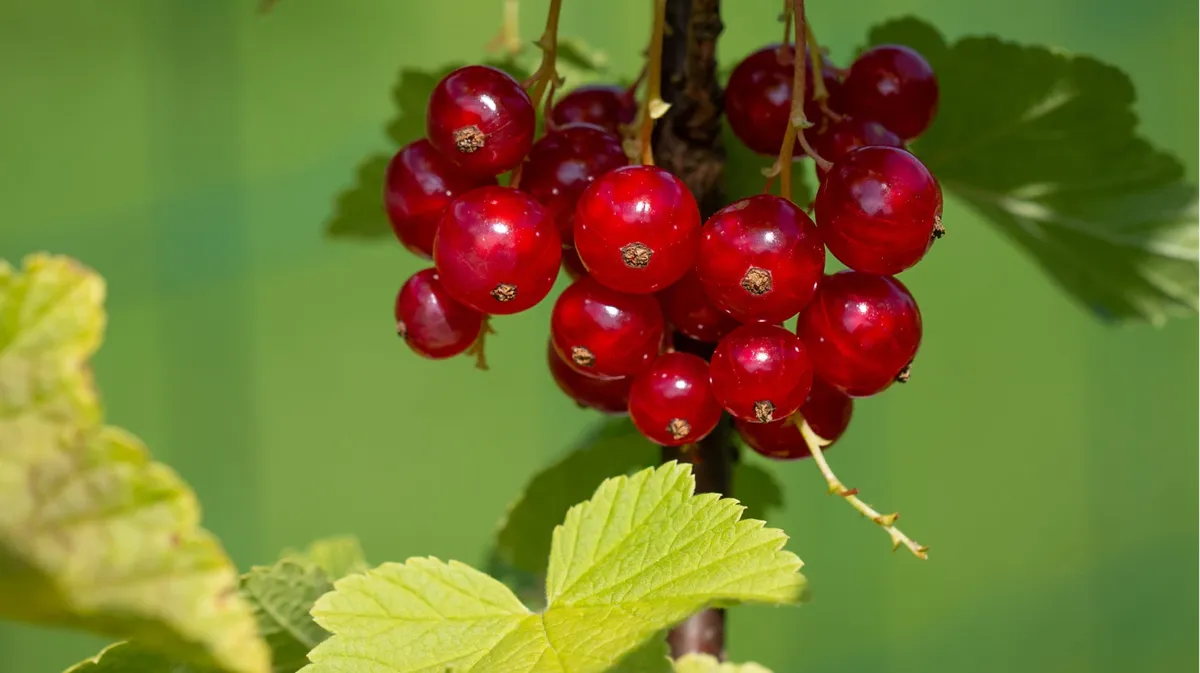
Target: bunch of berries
[649,274]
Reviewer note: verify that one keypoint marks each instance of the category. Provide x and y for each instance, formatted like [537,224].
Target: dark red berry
[671,402]
[572,264]
[760,259]
[842,136]
[688,309]
[758,98]
[606,106]
[861,330]
[481,119]
[637,229]
[563,163]
[895,86]
[430,321]
[610,396]
[420,183]
[496,250]
[604,333]
[761,373]
[827,411]
[878,209]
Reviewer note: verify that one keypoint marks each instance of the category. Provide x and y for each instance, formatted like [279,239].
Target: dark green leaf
[757,489]
[1043,144]
[359,210]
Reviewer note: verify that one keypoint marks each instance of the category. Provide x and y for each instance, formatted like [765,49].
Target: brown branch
[687,142]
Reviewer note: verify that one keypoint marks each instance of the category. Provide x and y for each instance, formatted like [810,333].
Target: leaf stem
[653,106]
[850,495]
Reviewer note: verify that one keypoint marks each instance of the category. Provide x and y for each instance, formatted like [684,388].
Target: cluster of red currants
[648,274]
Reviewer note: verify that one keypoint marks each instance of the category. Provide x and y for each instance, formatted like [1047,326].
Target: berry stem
[547,74]
[799,122]
[653,106]
[836,487]
[820,93]
[508,39]
[786,18]
[478,349]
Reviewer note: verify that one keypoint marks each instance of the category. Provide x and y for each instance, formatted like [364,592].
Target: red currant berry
[895,86]
[496,250]
[610,396]
[671,402]
[862,331]
[604,333]
[572,264]
[637,229]
[481,119]
[760,259]
[606,106]
[878,210]
[758,98]
[689,310]
[420,183]
[842,136]
[761,373]
[563,163]
[827,411]
[430,321]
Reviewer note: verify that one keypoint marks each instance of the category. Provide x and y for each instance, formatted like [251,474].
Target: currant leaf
[1047,150]
[336,556]
[706,663]
[94,535]
[642,554]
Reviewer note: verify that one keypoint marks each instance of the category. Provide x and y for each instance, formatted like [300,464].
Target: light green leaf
[642,555]
[93,534]
[1043,144]
[706,663]
[337,556]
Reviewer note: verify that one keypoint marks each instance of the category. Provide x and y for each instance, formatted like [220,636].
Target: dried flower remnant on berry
[582,356]
[505,292]
[679,428]
[469,139]
[757,281]
[636,255]
[764,410]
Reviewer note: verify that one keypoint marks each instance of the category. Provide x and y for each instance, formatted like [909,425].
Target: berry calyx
[430,321]
[895,86]
[842,136]
[671,402]
[758,98]
[418,186]
[878,210]
[861,330]
[688,309]
[760,259]
[480,119]
[603,333]
[563,163]
[827,411]
[496,251]
[610,396]
[637,229]
[606,106]
[761,373]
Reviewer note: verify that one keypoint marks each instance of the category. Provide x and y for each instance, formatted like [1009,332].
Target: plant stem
[687,142]
[547,73]
[508,39]
[653,106]
[799,122]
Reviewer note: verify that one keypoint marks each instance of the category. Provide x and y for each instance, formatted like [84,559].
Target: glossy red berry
[827,411]
[572,264]
[688,309]
[895,86]
[862,331]
[761,373]
[637,229]
[496,250]
[758,98]
[606,106]
[878,210]
[604,333]
[481,119]
[760,259]
[610,396]
[430,321]
[419,184]
[842,136]
[671,402]
[563,163]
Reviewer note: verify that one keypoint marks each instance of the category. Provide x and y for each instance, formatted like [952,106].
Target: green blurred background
[190,151]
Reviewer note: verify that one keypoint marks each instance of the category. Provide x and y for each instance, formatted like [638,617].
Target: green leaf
[706,663]
[744,172]
[93,534]
[336,556]
[1043,144]
[757,489]
[358,211]
[642,555]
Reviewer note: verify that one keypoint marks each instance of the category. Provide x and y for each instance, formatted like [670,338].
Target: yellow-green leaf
[706,663]
[337,556]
